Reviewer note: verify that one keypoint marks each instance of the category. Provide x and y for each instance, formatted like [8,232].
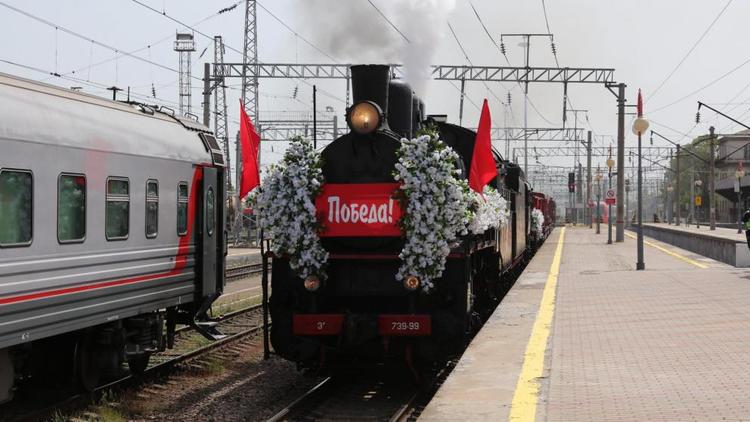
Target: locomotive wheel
[88,371]
[139,364]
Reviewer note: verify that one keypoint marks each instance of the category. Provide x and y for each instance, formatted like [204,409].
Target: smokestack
[370,83]
[400,103]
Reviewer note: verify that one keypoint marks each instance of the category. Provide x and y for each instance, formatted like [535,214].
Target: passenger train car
[361,310]
[111,231]
[548,207]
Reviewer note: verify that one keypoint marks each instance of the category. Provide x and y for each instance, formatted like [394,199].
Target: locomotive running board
[208,330]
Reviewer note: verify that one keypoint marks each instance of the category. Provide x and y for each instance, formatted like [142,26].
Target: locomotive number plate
[404,325]
[317,324]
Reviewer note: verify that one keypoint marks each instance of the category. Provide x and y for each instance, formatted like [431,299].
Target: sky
[648,43]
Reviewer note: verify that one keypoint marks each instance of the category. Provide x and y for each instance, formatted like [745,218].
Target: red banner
[360,209]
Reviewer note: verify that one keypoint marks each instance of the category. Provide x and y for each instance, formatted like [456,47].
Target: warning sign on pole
[611,197]
[698,201]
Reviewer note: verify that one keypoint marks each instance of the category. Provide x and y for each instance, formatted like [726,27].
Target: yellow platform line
[526,397]
[667,251]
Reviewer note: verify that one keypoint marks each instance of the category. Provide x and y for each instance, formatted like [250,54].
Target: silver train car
[111,231]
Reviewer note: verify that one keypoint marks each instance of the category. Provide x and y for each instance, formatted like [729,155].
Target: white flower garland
[436,203]
[491,211]
[285,203]
[537,221]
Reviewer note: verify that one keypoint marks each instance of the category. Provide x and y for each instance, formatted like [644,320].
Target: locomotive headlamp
[411,283]
[364,117]
[312,283]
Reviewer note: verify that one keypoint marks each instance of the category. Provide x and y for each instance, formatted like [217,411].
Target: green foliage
[691,169]
[428,129]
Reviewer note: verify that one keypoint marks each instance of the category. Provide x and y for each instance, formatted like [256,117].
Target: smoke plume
[353,31]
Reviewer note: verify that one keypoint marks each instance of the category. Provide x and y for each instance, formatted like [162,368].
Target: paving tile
[669,343]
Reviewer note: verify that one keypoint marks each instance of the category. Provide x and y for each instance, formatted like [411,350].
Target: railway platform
[583,336]
[242,256]
[723,244]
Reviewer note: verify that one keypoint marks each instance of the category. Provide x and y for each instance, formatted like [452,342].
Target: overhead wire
[698,41]
[531,103]
[86,38]
[152,44]
[466,56]
[296,34]
[389,22]
[713,82]
[173,19]
[557,62]
[94,84]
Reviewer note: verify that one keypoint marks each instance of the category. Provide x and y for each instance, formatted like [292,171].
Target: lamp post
[698,184]
[669,204]
[640,125]
[610,164]
[598,196]
[739,173]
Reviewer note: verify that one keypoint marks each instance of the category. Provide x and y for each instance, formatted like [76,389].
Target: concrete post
[711,181]
[677,186]
[620,228]
[579,194]
[588,179]
[609,213]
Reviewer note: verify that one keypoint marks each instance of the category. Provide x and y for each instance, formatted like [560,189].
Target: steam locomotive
[361,311]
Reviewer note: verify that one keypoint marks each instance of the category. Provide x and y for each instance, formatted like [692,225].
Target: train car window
[182,208]
[210,211]
[152,208]
[71,208]
[117,214]
[16,207]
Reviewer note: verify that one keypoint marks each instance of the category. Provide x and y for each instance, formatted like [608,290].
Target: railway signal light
[571,182]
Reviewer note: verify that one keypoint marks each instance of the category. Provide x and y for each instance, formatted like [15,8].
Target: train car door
[210,228]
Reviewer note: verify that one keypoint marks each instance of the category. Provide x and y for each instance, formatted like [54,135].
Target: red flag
[249,142]
[640,104]
[482,164]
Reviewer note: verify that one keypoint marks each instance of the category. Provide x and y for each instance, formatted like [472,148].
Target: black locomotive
[361,310]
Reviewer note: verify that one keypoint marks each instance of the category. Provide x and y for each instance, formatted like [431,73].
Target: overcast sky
[642,40]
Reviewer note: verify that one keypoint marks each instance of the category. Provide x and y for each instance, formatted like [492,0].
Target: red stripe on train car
[179,262]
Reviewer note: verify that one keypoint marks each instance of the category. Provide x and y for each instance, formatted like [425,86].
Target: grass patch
[236,305]
[110,414]
[213,367]
[139,406]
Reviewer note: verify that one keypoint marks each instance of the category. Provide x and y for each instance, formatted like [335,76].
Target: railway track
[375,394]
[189,351]
[242,271]
[369,398]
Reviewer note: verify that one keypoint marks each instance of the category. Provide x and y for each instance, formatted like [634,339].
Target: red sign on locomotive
[359,209]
